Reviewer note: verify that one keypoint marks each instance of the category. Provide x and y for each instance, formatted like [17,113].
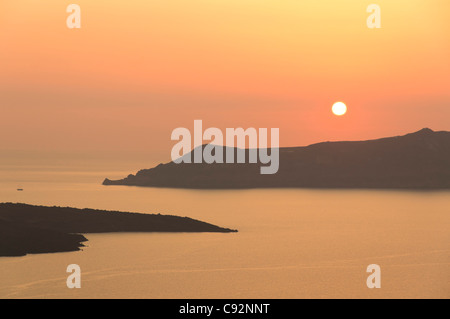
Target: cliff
[419,160]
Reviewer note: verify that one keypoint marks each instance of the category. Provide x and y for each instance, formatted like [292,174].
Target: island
[419,160]
[27,229]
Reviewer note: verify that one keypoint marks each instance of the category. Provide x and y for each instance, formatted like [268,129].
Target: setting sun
[339,108]
[185,151]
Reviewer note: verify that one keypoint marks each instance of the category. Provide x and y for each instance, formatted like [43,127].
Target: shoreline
[28,229]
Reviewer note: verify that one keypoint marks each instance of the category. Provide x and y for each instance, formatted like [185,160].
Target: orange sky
[137,69]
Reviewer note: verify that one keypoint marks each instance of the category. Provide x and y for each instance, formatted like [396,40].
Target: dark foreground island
[26,229]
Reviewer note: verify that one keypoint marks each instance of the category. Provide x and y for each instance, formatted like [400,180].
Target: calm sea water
[291,243]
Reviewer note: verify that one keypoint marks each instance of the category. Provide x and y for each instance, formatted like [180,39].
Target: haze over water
[292,243]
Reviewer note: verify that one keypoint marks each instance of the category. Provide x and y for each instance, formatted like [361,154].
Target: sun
[339,108]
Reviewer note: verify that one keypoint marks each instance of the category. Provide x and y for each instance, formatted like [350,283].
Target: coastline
[27,229]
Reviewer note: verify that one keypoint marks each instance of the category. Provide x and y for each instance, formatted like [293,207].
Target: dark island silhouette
[27,229]
[419,160]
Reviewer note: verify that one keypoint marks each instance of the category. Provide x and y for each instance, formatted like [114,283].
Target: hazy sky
[138,69]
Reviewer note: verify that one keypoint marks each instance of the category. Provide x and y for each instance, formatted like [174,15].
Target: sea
[292,243]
